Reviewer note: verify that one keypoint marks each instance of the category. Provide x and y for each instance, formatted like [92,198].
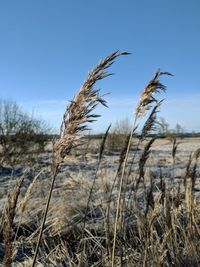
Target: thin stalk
[95,176]
[120,191]
[45,215]
[93,184]
[174,150]
[24,203]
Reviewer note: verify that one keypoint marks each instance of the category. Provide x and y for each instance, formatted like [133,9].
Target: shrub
[118,134]
[20,133]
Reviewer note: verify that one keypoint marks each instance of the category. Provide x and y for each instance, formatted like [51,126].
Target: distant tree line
[20,133]
[22,136]
[121,129]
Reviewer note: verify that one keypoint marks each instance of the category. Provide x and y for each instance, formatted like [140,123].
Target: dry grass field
[83,204]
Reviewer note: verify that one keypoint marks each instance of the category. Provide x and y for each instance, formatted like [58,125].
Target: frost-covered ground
[76,176]
[82,166]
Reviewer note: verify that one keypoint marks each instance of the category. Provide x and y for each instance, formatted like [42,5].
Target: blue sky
[47,48]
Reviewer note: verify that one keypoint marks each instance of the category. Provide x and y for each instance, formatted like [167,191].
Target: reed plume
[174,148]
[78,113]
[123,154]
[80,110]
[147,96]
[151,121]
[193,174]
[143,160]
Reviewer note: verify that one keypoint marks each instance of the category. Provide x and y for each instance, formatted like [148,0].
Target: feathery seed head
[147,96]
[79,111]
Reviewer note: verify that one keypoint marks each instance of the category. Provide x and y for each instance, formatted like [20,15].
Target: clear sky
[47,48]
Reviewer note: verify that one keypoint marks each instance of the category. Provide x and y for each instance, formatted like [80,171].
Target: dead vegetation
[127,216]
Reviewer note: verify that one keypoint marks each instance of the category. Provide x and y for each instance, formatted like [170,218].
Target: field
[63,230]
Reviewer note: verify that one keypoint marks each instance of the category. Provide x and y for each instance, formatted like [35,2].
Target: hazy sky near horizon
[47,48]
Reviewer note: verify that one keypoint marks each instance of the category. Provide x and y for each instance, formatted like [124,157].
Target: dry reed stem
[147,98]
[102,146]
[24,201]
[78,113]
[44,216]
[10,212]
[119,194]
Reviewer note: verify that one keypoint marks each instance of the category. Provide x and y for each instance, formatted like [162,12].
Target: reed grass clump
[124,213]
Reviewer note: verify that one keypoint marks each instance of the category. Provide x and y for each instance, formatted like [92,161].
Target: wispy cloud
[183,109]
[51,102]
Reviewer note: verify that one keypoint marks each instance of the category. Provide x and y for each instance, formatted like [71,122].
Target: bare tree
[118,134]
[179,130]
[19,132]
[163,127]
